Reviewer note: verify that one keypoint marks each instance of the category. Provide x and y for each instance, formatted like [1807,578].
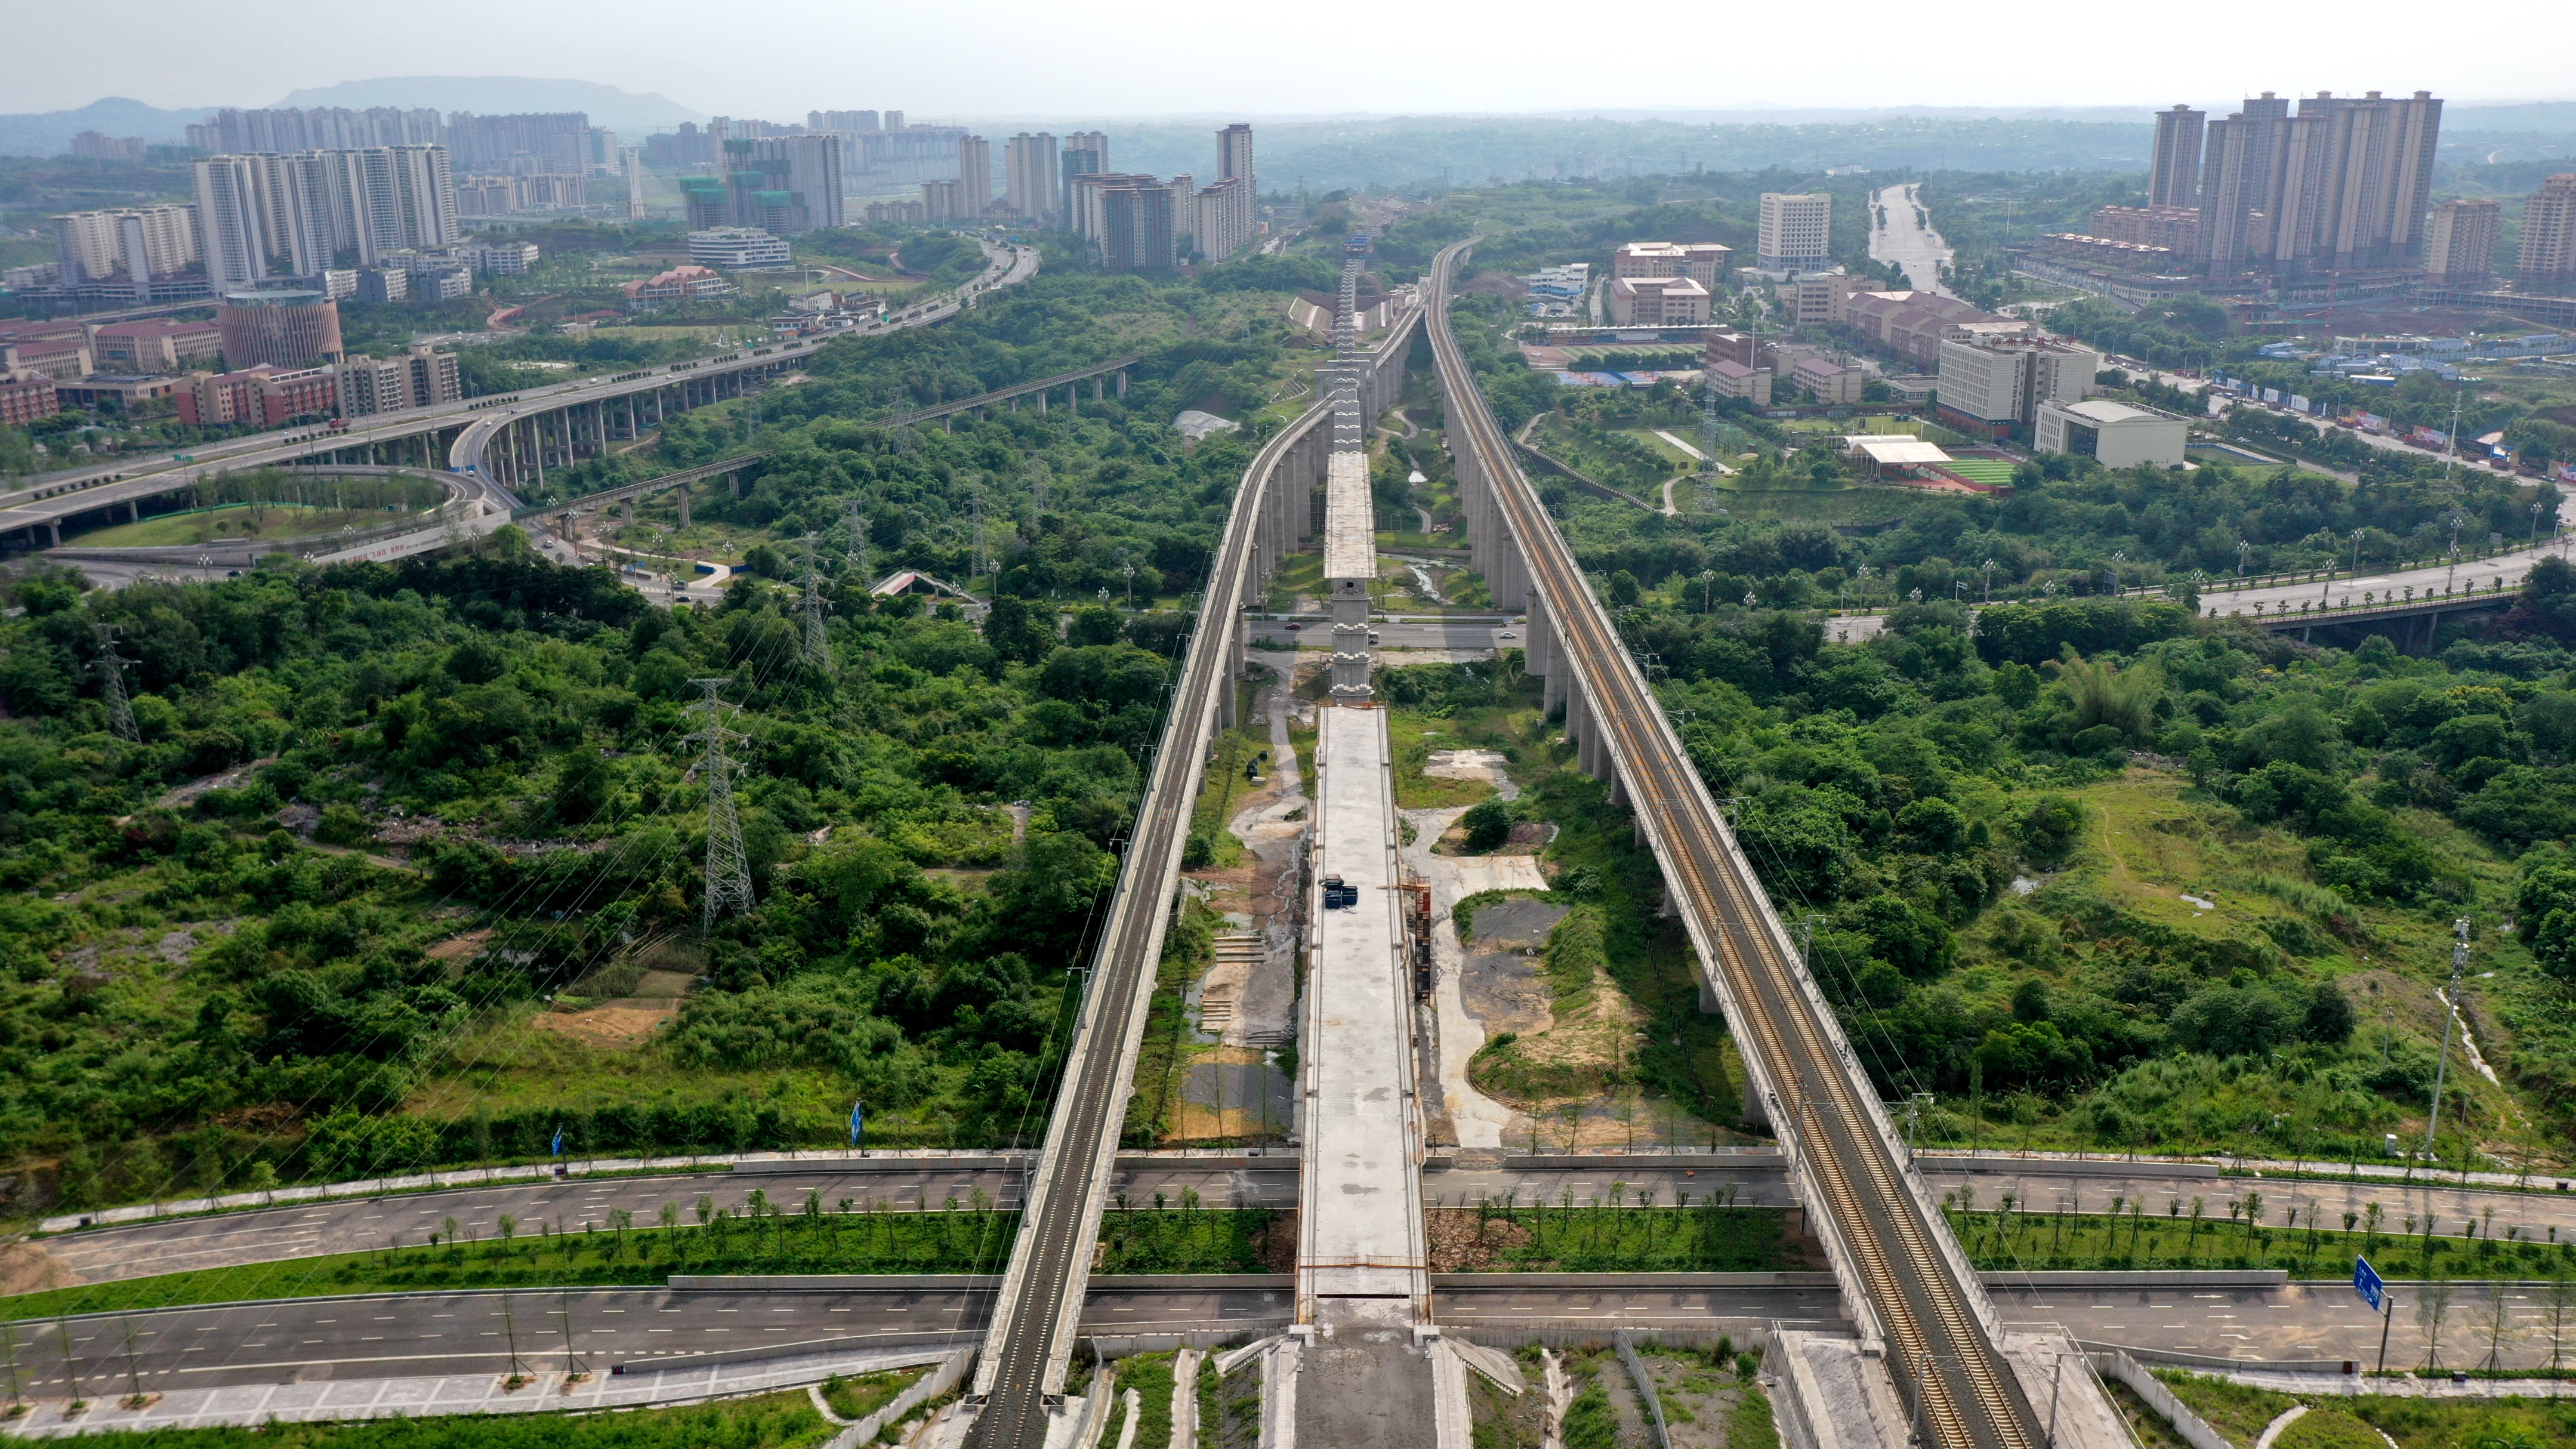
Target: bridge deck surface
[1362,1229]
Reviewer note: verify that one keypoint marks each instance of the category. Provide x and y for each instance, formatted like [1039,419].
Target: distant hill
[619,110]
[50,134]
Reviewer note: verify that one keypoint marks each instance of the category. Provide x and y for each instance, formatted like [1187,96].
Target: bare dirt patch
[27,1268]
[458,948]
[619,1024]
[1506,991]
[1460,1244]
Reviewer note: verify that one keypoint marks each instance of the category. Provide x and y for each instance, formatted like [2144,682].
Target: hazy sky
[1140,57]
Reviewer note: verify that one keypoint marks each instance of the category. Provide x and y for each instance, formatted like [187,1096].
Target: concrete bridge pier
[1538,642]
[629,505]
[1122,384]
[682,494]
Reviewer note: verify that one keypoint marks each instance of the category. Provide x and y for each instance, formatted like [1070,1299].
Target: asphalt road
[1421,634]
[352,1224]
[2471,574]
[463,1333]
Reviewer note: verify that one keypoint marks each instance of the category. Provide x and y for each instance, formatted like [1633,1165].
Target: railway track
[1050,1263]
[1961,1392]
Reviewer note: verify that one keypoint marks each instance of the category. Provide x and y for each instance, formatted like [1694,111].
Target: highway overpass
[505,440]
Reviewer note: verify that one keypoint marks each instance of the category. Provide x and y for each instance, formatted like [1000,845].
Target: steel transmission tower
[818,644]
[111,684]
[1708,422]
[728,867]
[858,550]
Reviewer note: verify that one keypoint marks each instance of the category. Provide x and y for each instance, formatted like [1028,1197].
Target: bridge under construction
[1922,1356]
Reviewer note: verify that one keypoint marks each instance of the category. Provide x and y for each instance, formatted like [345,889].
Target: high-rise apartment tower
[2548,251]
[1031,182]
[2173,178]
[2460,239]
[975,173]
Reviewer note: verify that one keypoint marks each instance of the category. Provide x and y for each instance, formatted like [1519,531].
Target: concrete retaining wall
[2175,1358]
[2063,1166]
[464,1177]
[928,1386]
[1686,1161]
[2194,1429]
[2142,1278]
[1599,1281]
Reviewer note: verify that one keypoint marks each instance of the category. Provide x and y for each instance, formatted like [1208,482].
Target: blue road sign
[858,1123]
[2365,1281]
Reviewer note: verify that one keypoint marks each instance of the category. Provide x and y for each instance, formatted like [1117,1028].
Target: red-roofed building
[678,285]
[24,402]
[264,396]
[56,349]
[155,344]
[1734,379]
[1828,382]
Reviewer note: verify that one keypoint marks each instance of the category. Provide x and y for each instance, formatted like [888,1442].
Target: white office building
[1796,232]
[738,249]
[2113,434]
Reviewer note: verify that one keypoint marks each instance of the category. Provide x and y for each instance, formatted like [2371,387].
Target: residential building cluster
[99,146]
[485,196]
[783,185]
[263,216]
[1141,223]
[556,143]
[138,254]
[2341,185]
[878,150]
[266,358]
